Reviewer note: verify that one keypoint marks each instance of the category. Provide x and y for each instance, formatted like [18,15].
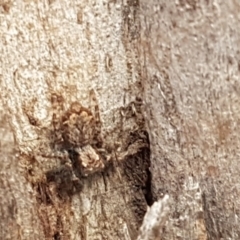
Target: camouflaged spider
[78,130]
[72,147]
[77,134]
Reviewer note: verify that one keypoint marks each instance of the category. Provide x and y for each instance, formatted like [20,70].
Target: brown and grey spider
[76,139]
[78,130]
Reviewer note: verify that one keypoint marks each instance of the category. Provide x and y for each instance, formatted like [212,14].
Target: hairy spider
[76,141]
[79,130]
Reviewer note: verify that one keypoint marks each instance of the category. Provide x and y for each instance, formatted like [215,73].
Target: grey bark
[191,57]
[55,53]
[183,63]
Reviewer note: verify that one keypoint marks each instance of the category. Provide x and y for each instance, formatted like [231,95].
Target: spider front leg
[90,160]
[63,175]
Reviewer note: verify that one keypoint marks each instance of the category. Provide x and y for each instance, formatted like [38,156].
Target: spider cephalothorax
[78,129]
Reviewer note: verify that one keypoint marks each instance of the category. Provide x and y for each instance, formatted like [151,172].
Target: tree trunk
[75,154]
[191,56]
[71,90]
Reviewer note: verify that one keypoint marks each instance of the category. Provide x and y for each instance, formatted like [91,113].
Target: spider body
[79,130]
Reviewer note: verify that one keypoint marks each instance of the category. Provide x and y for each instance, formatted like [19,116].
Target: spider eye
[76,107]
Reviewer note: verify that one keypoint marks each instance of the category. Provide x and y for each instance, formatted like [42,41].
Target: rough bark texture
[55,54]
[191,56]
[55,57]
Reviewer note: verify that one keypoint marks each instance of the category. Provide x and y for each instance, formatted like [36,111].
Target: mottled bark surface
[191,57]
[54,55]
[185,56]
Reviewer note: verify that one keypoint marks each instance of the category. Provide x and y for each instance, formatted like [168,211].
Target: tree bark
[191,57]
[58,57]
[180,69]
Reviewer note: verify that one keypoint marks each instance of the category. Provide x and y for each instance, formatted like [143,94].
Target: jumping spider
[76,140]
[78,131]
